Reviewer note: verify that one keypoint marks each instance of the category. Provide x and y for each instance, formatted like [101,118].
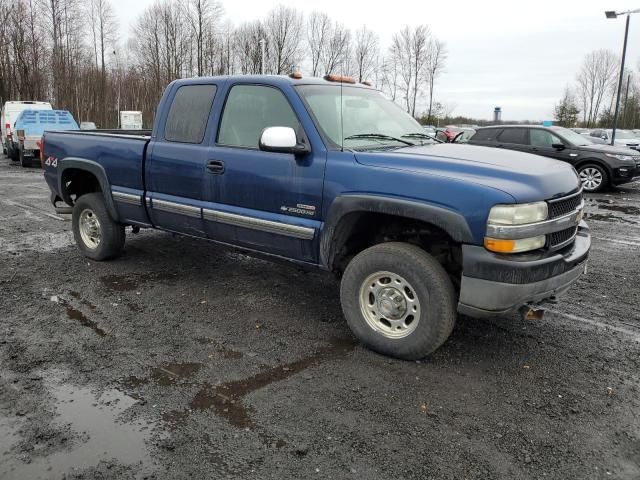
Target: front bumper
[494,284]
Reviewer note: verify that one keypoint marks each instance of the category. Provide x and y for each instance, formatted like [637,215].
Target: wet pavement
[181,360]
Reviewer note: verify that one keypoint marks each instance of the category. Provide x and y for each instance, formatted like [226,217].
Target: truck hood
[526,177]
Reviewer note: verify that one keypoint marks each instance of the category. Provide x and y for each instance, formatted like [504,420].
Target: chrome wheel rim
[389,305]
[90,230]
[591,178]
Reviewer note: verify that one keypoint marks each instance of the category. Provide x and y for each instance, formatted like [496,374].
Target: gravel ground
[181,360]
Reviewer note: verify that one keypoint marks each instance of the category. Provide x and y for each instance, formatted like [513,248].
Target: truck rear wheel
[23,159]
[97,235]
[398,300]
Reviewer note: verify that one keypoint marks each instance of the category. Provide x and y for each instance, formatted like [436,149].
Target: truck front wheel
[97,235]
[398,300]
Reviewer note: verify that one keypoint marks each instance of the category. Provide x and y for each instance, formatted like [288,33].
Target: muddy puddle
[165,375]
[227,399]
[604,210]
[97,435]
[75,314]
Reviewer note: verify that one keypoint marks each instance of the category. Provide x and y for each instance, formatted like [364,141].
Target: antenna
[341,112]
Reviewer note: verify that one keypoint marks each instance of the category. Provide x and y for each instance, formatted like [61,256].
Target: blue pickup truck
[329,174]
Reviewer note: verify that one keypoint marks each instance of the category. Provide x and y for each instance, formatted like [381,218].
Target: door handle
[215,166]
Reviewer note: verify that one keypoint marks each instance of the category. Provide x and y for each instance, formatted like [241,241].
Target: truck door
[177,160]
[265,201]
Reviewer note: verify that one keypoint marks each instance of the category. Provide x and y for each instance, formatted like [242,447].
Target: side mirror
[558,146]
[282,140]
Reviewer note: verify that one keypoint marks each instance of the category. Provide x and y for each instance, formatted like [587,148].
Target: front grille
[565,205]
[561,238]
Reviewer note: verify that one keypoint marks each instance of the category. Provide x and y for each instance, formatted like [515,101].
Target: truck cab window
[249,110]
[189,113]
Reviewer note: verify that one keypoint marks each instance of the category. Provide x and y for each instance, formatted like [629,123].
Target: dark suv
[599,166]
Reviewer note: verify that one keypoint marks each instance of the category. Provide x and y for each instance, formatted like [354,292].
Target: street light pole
[613,14]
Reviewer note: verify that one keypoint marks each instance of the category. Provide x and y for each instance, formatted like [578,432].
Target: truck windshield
[369,120]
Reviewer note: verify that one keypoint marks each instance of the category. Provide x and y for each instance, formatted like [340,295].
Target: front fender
[451,222]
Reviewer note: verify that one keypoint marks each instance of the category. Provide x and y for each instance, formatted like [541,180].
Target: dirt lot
[181,360]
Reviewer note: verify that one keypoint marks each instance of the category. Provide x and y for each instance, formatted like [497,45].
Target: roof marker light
[339,78]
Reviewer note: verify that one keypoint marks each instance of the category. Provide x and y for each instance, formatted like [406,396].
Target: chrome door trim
[127,198]
[296,231]
[178,208]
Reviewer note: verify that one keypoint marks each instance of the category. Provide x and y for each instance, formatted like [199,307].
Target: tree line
[590,101]
[70,52]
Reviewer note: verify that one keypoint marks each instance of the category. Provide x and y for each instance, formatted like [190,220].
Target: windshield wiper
[422,135]
[379,136]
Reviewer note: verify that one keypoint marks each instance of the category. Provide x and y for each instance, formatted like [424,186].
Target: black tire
[13,154]
[432,287]
[112,234]
[23,159]
[604,184]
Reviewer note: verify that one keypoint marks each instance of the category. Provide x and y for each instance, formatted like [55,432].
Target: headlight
[518,214]
[622,158]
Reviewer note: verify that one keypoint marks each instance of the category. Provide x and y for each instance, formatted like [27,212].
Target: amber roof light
[295,75]
[339,78]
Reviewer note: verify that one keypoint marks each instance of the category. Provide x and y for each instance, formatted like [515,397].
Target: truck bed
[116,155]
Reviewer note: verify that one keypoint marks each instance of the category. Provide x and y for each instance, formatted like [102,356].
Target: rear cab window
[189,114]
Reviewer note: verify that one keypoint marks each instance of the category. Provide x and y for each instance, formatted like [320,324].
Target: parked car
[462,134]
[624,138]
[582,131]
[599,166]
[331,175]
[87,126]
[10,112]
[31,125]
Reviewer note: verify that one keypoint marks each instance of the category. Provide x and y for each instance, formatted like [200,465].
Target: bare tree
[410,51]
[365,52]
[594,82]
[436,60]
[318,33]
[246,47]
[104,27]
[203,15]
[284,35]
[335,52]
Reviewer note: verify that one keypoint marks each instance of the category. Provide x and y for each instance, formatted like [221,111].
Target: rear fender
[97,171]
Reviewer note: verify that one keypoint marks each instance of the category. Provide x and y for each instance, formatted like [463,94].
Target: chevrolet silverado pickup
[329,174]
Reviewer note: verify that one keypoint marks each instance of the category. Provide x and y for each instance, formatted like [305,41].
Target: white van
[10,112]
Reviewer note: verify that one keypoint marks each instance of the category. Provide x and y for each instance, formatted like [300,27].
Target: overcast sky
[514,54]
